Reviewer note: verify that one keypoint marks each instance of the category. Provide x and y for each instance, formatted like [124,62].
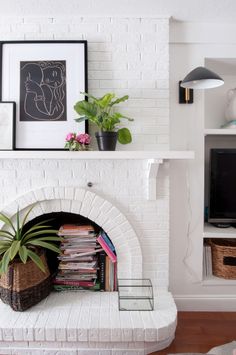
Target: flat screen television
[222,187]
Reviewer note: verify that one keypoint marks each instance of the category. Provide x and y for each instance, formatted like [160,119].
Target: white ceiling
[182,10]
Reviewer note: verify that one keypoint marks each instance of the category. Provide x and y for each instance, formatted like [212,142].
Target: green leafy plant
[100,111]
[16,242]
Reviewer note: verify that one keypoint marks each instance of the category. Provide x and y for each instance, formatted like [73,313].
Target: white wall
[216,101]
[125,56]
[181,10]
[190,45]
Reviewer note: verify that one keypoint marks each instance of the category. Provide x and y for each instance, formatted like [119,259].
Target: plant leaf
[6,235]
[26,216]
[14,249]
[56,239]
[81,119]
[85,108]
[105,101]
[37,233]
[36,259]
[124,136]
[23,254]
[34,228]
[2,250]
[89,96]
[5,245]
[5,262]
[44,245]
[121,99]
[7,221]
[18,229]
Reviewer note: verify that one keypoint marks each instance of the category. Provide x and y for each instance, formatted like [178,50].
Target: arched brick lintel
[94,207]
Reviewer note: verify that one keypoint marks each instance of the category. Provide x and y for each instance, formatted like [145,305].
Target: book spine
[115,277]
[74,283]
[111,288]
[107,273]
[106,248]
[75,288]
[102,270]
[209,260]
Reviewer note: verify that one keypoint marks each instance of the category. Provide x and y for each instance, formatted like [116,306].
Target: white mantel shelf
[96,155]
[154,159]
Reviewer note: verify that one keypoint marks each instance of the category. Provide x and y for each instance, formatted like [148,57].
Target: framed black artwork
[45,79]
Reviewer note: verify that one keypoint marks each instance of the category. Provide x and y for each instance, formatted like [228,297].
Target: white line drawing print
[43,91]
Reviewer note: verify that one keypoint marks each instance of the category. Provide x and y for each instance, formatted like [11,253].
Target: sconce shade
[202,78]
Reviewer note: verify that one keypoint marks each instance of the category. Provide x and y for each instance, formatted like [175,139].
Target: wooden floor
[201,331]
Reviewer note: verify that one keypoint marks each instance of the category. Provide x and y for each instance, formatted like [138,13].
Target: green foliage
[124,136]
[100,111]
[16,242]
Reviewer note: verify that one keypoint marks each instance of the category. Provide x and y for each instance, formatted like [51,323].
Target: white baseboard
[223,303]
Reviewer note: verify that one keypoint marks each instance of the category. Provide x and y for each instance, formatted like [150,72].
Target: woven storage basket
[224,258]
[24,285]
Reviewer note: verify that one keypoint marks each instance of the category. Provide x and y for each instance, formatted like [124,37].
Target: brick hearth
[87,323]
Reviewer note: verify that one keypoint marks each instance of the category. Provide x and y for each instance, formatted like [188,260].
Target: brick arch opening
[95,208]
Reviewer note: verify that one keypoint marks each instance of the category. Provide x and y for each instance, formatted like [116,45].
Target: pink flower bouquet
[78,141]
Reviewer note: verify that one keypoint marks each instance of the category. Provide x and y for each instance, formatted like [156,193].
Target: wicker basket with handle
[24,285]
[224,258]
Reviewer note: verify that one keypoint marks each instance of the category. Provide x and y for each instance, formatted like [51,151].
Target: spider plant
[19,242]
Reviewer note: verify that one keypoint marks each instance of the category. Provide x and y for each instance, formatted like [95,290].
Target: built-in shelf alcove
[217,135]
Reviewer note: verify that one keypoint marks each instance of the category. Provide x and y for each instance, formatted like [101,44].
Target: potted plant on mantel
[24,275]
[100,111]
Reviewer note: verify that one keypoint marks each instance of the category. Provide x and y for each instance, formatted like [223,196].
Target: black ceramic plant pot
[106,140]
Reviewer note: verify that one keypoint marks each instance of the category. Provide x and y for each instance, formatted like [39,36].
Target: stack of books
[78,266]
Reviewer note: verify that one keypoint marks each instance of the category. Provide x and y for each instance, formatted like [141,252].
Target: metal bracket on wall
[153,166]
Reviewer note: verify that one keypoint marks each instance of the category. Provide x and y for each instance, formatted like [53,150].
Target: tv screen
[222,187]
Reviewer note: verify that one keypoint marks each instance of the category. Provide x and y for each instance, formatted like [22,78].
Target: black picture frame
[7,125]
[45,79]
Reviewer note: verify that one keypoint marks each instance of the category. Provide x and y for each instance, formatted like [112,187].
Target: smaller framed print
[7,125]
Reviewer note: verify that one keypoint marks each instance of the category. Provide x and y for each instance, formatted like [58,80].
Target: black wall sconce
[185,95]
[198,78]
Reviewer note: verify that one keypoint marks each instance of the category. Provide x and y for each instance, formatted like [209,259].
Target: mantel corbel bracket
[153,166]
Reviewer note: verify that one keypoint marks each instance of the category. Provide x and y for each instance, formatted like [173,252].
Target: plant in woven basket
[24,274]
[18,243]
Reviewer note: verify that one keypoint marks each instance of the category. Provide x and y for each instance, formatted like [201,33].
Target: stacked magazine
[78,264]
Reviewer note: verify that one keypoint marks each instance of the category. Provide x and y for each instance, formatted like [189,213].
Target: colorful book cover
[107,240]
[107,249]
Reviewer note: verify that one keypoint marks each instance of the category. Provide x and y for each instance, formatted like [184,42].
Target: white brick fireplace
[91,323]
[127,56]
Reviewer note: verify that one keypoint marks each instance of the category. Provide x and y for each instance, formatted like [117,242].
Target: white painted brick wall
[124,183]
[127,56]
